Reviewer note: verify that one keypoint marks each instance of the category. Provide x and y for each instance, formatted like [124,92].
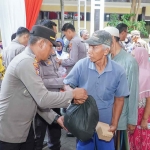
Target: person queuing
[140,140]
[23,90]
[76,46]
[84,36]
[137,41]
[123,32]
[16,46]
[103,79]
[128,118]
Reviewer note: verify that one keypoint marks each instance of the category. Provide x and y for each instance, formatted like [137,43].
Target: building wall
[56,8]
[147,13]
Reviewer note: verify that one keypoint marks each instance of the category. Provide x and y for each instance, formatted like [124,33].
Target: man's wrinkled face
[45,49]
[68,33]
[85,35]
[134,38]
[97,53]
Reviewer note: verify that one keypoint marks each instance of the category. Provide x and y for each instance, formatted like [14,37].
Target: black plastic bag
[81,120]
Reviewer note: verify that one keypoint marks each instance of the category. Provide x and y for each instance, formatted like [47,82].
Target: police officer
[76,46]
[16,46]
[23,90]
[52,81]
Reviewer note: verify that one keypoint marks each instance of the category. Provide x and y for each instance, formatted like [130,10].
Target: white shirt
[62,70]
[64,55]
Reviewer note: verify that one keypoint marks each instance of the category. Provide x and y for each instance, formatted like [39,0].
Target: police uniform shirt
[11,51]
[77,52]
[21,92]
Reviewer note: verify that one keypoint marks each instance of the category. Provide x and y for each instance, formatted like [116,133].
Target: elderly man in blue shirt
[106,81]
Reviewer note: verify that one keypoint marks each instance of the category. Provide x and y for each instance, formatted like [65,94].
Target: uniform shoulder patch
[36,66]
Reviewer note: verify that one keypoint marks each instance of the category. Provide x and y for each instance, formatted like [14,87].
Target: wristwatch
[56,118]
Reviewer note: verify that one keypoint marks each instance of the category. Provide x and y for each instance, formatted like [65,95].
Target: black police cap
[45,33]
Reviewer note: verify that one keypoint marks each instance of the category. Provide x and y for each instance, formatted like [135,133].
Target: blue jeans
[90,145]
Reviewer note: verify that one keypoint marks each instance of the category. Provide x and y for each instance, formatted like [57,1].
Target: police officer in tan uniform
[52,81]
[76,46]
[16,46]
[23,90]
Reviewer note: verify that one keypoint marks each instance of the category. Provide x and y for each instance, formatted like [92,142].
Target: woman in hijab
[59,50]
[61,55]
[140,139]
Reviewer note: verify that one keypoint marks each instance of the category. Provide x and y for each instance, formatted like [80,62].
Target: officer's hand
[60,121]
[79,95]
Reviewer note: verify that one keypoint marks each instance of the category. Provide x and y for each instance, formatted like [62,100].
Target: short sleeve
[122,88]
[73,76]
[74,55]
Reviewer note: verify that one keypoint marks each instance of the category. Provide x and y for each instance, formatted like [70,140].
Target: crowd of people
[42,73]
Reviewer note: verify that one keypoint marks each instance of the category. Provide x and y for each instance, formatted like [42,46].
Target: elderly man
[128,118]
[23,90]
[137,41]
[84,36]
[106,81]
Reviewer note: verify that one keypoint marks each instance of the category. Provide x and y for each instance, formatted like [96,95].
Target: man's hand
[60,121]
[131,128]
[113,128]
[79,95]
[144,124]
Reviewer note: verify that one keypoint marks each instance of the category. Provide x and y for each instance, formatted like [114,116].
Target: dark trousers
[28,145]
[53,130]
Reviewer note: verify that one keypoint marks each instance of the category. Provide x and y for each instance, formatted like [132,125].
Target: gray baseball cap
[100,37]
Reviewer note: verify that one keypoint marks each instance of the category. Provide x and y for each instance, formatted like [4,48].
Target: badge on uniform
[36,66]
[48,62]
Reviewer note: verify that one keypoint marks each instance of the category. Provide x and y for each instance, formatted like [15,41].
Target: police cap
[44,32]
